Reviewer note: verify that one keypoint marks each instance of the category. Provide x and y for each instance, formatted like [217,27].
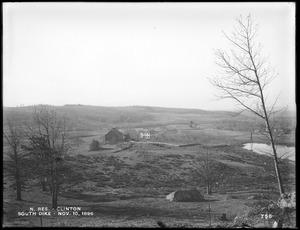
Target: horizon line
[150,106]
[118,106]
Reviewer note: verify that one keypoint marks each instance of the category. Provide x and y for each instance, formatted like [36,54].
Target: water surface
[282,150]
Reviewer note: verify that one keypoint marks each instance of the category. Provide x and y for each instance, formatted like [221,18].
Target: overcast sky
[121,54]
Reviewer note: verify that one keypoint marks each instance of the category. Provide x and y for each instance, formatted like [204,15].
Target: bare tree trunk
[18,179]
[54,196]
[18,185]
[54,185]
[208,189]
[44,185]
[19,192]
[277,171]
[54,190]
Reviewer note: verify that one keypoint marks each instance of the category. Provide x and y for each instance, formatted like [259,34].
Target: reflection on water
[282,150]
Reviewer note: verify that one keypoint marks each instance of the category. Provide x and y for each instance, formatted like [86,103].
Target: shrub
[95,145]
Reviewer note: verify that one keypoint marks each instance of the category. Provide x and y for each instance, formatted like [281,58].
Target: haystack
[192,195]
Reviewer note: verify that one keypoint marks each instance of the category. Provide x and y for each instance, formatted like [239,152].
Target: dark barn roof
[114,135]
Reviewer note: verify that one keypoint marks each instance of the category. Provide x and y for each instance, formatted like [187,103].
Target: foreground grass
[128,188]
[133,212]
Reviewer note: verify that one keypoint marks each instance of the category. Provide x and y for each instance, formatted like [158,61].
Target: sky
[123,54]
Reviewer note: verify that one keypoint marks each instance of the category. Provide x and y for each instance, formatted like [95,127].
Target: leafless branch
[244,76]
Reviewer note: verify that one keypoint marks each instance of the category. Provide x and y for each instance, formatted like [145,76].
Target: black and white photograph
[149,114]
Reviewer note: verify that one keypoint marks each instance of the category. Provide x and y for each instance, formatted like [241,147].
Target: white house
[148,134]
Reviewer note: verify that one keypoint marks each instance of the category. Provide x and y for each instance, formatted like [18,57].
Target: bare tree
[244,77]
[207,171]
[14,164]
[49,139]
[130,133]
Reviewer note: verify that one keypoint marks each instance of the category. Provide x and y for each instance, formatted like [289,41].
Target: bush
[95,145]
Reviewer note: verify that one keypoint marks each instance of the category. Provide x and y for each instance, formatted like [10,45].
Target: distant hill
[87,117]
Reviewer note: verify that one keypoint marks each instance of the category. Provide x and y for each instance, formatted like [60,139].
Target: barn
[115,136]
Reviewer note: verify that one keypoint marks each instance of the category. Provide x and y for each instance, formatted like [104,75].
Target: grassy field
[128,188]
[132,212]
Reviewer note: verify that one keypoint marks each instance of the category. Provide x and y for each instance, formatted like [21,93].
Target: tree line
[38,151]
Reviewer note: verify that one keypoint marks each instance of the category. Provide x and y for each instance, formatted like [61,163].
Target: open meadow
[126,184]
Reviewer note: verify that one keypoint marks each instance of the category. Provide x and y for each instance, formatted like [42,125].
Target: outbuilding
[115,136]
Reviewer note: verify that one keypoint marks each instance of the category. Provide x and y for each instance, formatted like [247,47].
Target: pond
[289,152]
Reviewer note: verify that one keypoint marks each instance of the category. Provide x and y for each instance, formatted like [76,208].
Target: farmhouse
[115,136]
[148,134]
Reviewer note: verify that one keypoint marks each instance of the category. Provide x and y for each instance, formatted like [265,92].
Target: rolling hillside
[200,125]
[95,117]
[127,187]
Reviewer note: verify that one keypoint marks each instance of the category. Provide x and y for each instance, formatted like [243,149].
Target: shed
[114,136]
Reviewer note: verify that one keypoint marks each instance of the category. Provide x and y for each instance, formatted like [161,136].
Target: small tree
[207,171]
[14,164]
[95,145]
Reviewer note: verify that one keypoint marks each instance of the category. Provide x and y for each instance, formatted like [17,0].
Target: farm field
[128,187]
